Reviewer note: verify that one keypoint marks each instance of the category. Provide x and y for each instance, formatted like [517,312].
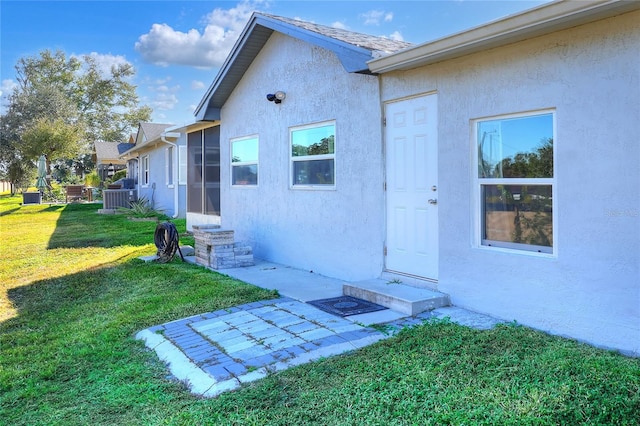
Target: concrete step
[396,296]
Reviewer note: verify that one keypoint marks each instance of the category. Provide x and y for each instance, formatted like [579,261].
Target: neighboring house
[199,145]
[499,165]
[154,164]
[106,156]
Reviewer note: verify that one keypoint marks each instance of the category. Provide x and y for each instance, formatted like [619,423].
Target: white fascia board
[534,22]
[192,127]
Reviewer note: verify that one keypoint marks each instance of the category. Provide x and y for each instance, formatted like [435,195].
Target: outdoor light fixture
[277,97]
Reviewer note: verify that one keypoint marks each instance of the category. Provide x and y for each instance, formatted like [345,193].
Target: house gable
[352,49]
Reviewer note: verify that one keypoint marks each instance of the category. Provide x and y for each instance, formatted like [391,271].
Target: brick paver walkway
[217,351]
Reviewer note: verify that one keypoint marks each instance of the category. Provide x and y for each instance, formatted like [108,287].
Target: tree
[62,105]
[54,138]
[533,227]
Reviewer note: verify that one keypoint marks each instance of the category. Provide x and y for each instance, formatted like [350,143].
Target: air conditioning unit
[115,198]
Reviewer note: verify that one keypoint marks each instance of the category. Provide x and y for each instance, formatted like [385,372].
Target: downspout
[176,183]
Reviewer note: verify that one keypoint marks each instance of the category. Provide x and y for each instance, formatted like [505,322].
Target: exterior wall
[158,192]
[590,289]
[336,233]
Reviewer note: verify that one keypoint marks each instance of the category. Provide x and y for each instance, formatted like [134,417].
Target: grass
[73,294]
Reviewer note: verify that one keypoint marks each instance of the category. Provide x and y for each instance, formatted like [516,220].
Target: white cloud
[164,101]
[340,25]
[374,17]
[396,36]
[164,46]
[162,96]
[104,62]
[7,87]
[5,91]
[197,85]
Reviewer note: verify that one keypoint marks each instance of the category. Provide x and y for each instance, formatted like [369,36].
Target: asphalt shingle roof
[366,41]
[152,131]
[110,150]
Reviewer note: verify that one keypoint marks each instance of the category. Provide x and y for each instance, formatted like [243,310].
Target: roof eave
[193,126]
[534,22]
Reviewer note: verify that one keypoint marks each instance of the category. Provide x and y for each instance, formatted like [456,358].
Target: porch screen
[212,170]
[194,172]
[203,171]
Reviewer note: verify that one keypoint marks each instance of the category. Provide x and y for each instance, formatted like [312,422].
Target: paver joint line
[218,351]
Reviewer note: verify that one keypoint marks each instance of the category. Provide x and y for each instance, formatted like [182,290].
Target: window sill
[312,188]
[519,252]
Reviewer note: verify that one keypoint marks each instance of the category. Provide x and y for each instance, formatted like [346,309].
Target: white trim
[545,19]
[182,164]
[144,183]
[169,162]
[476,193]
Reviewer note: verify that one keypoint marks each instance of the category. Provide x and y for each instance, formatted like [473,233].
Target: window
[144,171]
[182,165]
[313,155]
[244,161]
[169,154]
[515,181]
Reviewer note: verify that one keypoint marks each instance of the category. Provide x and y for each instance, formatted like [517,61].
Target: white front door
[411,136]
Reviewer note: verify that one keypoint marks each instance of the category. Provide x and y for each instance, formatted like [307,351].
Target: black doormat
[346,305]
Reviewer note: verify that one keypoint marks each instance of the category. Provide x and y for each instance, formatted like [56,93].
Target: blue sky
[177,47]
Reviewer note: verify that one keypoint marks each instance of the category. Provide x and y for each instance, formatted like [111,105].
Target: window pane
[244,175]
[170,165]
[313,141]
[244,151]
[518,214]
[519,147]
[314,172]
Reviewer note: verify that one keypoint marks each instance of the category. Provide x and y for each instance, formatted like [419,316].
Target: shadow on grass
[133,295]
[80,225]
[70,347]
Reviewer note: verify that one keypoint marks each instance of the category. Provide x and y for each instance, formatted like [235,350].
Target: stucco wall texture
[335,232]
[162,195]
[590,76]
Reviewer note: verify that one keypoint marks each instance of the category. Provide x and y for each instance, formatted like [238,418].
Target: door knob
[433,201]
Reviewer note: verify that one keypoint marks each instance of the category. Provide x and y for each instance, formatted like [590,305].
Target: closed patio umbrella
[41,182]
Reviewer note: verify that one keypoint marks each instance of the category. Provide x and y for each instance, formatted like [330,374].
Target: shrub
[92,179]
[142,208]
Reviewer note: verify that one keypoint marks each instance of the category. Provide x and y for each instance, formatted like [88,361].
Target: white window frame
[182,164]
[144,171]
[244,163]
[477,214]
[293,159]
[169,155]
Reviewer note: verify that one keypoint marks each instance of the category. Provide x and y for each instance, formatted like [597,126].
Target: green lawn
[73,294]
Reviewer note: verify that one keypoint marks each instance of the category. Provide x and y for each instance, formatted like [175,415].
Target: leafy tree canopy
[61,105]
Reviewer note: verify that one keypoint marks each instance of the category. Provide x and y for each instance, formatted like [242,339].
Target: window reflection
[516,147]
[519,214]
[313,155]
[313,141]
